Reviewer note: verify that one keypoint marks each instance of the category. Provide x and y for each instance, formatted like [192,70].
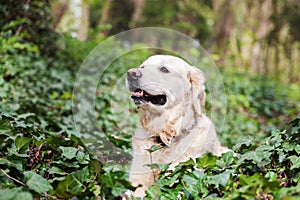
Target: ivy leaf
[21,142]
[295,122]
[81,175]
[56,170]
[5,127]
[250,180]
[16,164]
[119,142]
[9,193]
[36,182]
[297,148]
[73,183]
[187,165]
[25,115]
[24,196]
[154,191]
[246,141]
[257,156]
[221,179]
[118,189]
[206,161]
[82,157]
[15,193]
[275,139]
[154,148]
[295,161]
[161,167]
[69,187]
[226,159]
[69,152]
[43,123]
[272,176]
[193,184]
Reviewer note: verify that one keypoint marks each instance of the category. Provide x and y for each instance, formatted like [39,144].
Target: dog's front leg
[140,173]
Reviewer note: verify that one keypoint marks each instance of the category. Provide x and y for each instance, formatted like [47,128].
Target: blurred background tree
[261,37]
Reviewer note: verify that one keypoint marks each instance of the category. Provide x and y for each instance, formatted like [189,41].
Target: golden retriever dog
[170,95]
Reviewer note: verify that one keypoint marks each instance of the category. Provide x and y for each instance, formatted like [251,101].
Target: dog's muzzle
[133,76]
[140,96]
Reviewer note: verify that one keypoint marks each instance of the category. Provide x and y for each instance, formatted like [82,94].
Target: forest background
[255,45]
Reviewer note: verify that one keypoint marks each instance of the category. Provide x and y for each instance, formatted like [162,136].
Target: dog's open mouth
[140,96]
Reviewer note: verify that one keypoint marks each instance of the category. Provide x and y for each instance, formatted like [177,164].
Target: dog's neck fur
[171,125]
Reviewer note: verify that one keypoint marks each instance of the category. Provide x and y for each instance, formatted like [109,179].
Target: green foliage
[42,154]
[256,105]
[15,193]
[40,146]
[36,182]
[269,170]
[32,20]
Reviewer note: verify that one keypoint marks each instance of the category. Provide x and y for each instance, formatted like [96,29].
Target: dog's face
[163,81]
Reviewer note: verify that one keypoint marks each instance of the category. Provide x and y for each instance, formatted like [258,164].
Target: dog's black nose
[133,74]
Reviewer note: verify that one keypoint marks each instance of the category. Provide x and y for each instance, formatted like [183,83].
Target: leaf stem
[12,178]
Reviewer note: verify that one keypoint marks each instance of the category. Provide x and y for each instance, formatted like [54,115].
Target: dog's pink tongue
[138,94]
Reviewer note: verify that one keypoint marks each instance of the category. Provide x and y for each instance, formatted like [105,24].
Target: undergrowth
[42,154]
[269,170]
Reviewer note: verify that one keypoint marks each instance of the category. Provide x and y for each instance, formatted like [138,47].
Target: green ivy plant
[42,155]
[270,170]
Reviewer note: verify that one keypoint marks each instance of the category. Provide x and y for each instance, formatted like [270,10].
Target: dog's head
[163,81]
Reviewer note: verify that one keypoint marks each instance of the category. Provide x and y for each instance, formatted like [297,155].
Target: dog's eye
[164,69]
[142,66]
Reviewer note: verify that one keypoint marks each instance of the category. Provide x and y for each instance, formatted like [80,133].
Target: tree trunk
[294,62]
[266,61]
[277,61]
[105,16]
[223,26]
[263,15]
[138,12]
[84,21]
[58,8]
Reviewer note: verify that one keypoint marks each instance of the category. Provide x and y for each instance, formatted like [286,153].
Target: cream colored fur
[185,131]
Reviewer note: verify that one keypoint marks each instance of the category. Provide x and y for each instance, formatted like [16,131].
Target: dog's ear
[197,81]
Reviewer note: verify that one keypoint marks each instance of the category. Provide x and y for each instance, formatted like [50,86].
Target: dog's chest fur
[190,141]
